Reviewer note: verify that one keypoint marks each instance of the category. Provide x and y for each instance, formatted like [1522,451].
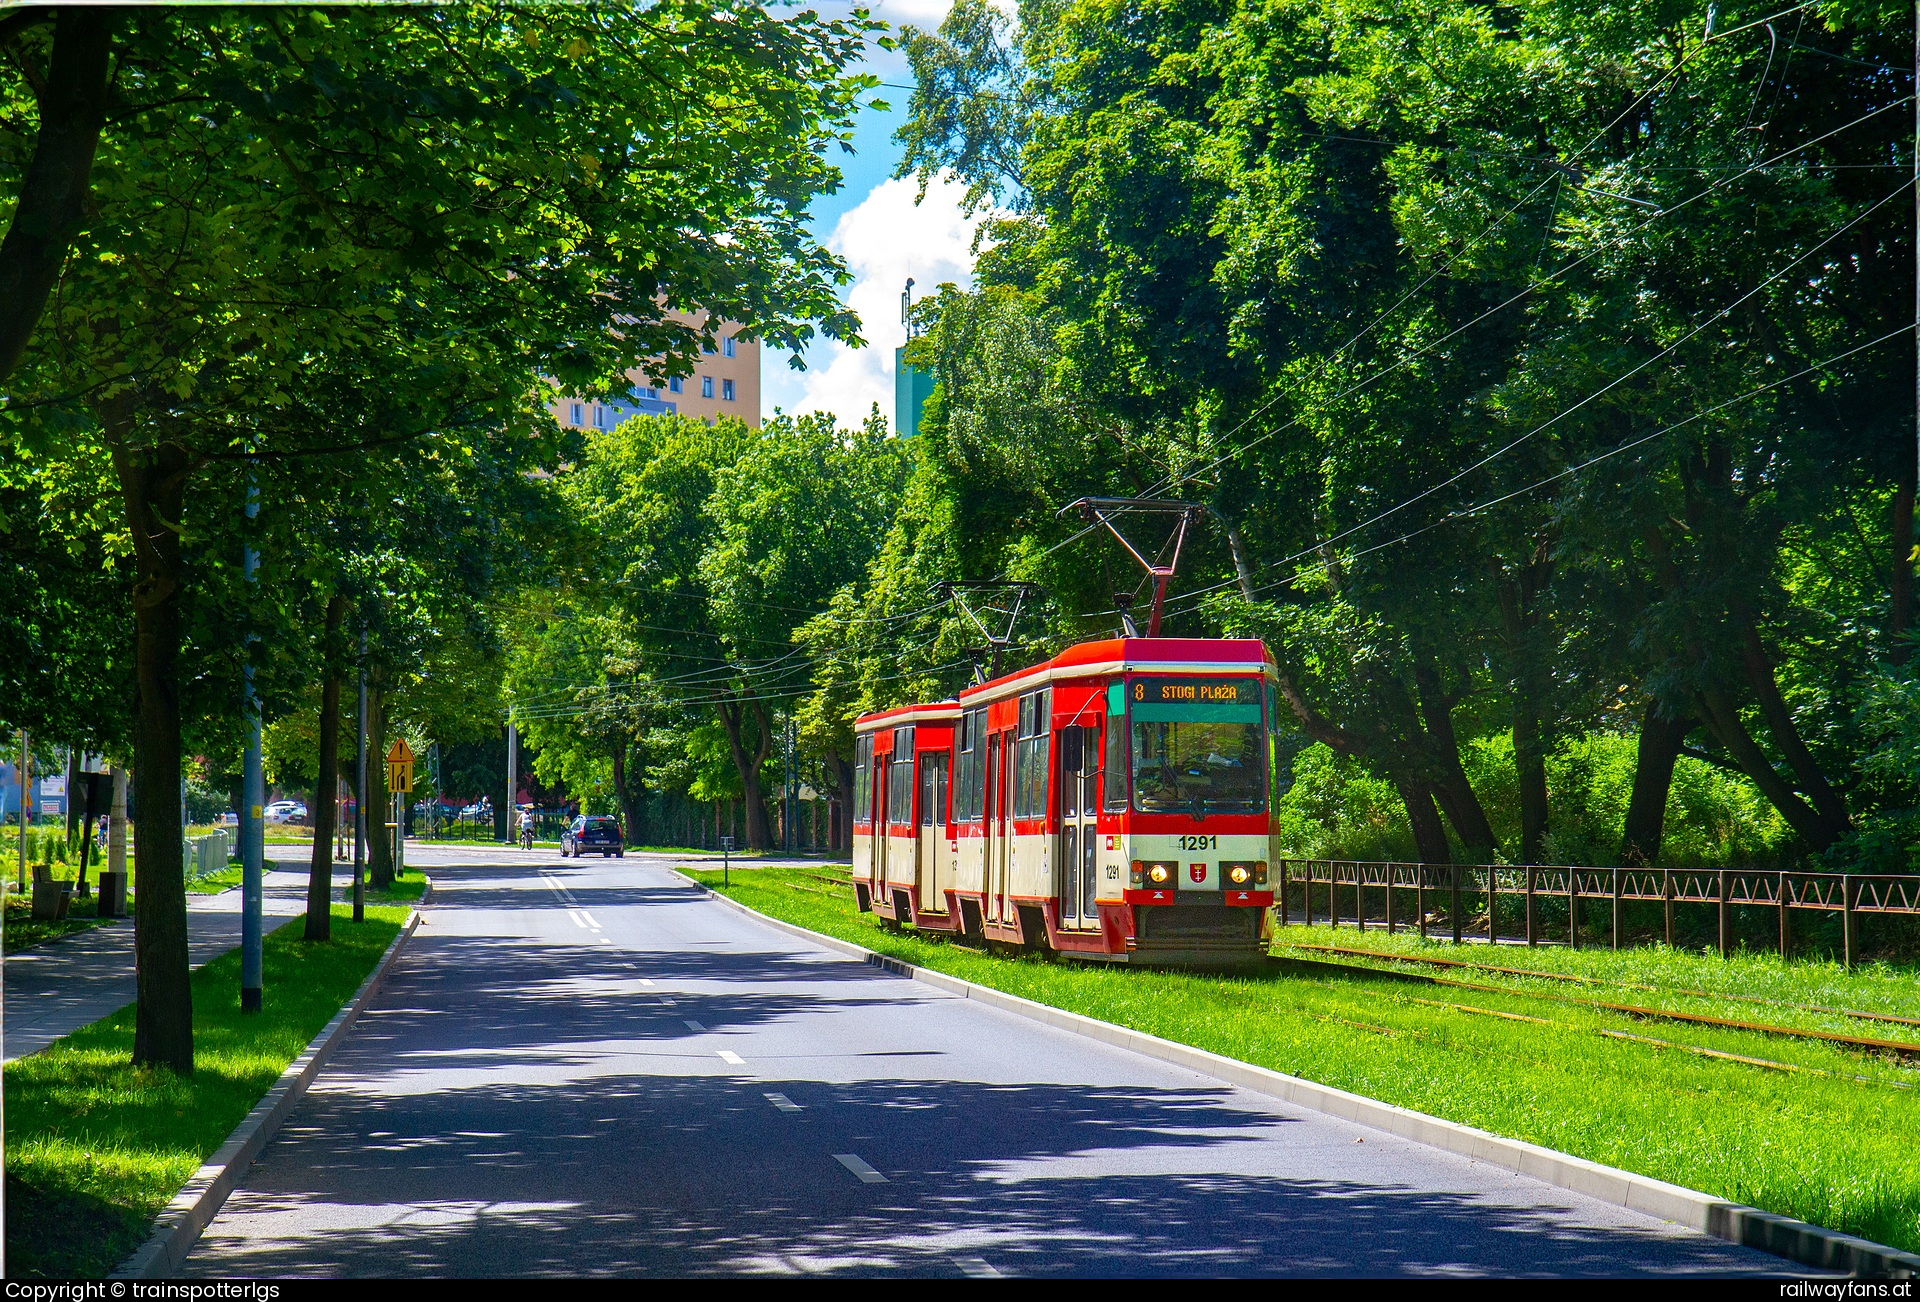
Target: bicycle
[526,837]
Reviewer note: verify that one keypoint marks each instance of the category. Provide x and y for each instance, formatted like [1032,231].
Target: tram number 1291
[1199,843]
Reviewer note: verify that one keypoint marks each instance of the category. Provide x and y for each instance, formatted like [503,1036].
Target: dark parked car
[591,832]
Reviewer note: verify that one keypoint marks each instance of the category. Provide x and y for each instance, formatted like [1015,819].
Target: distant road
[588,1067]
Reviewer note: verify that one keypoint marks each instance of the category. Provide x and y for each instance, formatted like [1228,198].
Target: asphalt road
[588,1067]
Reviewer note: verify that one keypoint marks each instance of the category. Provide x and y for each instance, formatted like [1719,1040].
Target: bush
[1335,809]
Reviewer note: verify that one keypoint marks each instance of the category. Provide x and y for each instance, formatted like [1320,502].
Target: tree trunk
[1766,690]
[733,719]
[1660,739]
[1518,616]
[1429,838]
[1530,761]
[839,826]
[1452,790]
[1722,718]
[1900,613]
[327,785]
[379,799]
[153,486]
[633,800]
[53,197]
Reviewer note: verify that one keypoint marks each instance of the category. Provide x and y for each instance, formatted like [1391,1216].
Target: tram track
[1863,1044]
[1602,981]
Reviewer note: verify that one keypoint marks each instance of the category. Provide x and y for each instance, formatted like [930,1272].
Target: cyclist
[526,829]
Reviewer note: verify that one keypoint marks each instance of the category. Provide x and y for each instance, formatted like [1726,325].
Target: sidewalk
[56,988]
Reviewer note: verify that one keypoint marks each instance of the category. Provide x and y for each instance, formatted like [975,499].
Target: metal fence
[442,826]
[1392,886]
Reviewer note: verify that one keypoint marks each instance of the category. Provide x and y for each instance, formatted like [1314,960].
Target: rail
[1847,894]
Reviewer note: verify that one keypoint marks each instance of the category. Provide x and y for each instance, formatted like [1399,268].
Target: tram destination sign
[1195,691]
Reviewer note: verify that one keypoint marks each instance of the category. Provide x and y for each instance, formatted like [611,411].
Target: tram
[1109,804]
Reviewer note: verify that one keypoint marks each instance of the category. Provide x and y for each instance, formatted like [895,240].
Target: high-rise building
[725,382]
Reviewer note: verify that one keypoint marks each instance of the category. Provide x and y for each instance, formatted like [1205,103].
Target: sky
[874,224]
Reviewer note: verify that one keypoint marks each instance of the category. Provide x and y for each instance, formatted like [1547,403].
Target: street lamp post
[253,836]
[360,794]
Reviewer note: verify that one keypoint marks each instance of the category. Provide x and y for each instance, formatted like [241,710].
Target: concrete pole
[253,833]
[117,823]
[26,801]
[360,794]
[513,772]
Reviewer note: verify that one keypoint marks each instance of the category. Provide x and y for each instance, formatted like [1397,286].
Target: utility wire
[1528,292]
[1169,480]
[1701,324]
[1628,446]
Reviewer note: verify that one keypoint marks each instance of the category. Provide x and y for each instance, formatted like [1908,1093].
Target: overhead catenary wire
[1168,482]
[1321,544]
[1720,313]
[1529,291]
[1618,450]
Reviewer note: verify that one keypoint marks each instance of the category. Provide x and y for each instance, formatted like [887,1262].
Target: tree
[1470,277]
[430,208]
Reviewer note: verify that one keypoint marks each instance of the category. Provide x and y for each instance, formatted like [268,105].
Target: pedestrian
[100,838]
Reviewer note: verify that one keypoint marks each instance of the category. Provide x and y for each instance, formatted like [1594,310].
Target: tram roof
[1169,655]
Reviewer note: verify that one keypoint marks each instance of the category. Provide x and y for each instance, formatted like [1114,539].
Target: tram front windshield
[1195,766]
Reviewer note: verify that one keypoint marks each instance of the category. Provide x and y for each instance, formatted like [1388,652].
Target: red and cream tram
[1110,804]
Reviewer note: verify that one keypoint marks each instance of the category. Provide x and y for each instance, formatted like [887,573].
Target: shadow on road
[521,1108]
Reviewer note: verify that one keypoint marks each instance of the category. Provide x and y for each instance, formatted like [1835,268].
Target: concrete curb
[178,1228]
[1783,1236]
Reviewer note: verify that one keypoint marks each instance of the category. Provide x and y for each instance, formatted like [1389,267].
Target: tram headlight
[1239,874]
[1159,874]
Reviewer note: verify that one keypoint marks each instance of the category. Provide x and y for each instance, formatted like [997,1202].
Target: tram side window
[969,767]
[1114,783]
[862,765]
[1031,755]
[900,778]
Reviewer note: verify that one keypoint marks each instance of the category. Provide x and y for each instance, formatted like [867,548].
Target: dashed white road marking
[693,1025]
[730,1057]
[976,1268]
[645,982]
[859,1166]
[782,1102]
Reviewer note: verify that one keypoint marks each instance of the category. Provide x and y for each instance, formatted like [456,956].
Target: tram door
[999,842]
[1079,799]
[933,813]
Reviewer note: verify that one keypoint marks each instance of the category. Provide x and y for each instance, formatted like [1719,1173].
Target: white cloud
[885,239]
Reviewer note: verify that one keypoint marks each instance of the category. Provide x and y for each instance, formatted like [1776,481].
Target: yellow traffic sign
[399,767]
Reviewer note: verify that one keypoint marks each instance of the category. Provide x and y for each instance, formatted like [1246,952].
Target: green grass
[1827,1148]
[96,1147]
[215,882]
[1753,986]
[20,930]
[402,890]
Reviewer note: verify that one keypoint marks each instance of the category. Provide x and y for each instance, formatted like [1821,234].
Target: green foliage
[1336,810]
[1484,331]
